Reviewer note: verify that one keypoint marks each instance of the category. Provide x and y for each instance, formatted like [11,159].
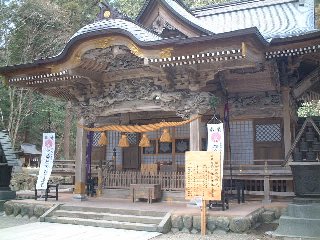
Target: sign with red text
[48,148]
[216,141]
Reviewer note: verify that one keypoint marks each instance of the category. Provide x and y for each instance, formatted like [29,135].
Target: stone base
[1,205]
[301,220]
[7,194]
[266,201]
[80,197]
[300,200]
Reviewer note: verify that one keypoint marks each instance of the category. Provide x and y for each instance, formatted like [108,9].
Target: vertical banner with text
[216,141]
[48,148]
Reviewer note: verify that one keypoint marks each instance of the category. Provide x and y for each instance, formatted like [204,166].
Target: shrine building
[260,58]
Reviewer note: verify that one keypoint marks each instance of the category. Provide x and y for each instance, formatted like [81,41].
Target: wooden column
[80,168]
[286,119]
[195,134]
[67,131]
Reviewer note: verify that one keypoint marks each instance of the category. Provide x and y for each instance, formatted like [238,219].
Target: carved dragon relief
[184,103]
[114,58]
[269,103]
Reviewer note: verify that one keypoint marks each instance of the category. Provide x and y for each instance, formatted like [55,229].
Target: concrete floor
[54,231]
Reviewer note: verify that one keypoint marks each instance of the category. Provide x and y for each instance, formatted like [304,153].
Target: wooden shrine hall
[260,58]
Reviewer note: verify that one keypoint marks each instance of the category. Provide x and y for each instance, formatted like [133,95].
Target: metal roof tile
[273,18]
[140,33]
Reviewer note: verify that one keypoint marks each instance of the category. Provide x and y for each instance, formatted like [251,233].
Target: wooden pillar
[195,134]
[286,119]
[80,168]
[67,131]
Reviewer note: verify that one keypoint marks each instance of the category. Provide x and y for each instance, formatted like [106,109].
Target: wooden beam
[195,135]
[307,83]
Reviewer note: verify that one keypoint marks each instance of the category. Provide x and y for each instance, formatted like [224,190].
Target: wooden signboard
[203,175]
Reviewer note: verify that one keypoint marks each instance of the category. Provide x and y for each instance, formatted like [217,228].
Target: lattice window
[268,133]
[132,138]
[96,137]
[241,141]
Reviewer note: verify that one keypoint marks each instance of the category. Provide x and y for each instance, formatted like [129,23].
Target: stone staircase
[129,219]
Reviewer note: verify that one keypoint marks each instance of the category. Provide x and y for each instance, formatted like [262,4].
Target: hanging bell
[165,137]
[123,141]
[144,142]
[103,141]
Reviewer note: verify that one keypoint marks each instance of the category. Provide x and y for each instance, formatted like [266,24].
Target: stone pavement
[54,231]
[11,221]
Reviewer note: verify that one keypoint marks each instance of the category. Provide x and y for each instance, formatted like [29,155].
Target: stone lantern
[302,218]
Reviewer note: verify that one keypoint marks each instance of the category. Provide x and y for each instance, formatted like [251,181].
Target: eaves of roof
[254,32]
[307,36]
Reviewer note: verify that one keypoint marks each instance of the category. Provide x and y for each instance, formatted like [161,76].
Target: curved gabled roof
[273,18]
[181,12]
[138,32]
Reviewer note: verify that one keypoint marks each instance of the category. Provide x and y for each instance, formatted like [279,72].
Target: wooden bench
[47,191]
[145,191]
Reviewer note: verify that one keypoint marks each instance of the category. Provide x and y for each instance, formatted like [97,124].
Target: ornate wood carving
[273,99]
[114,58]
[184,103]
[264,105]
[165,29]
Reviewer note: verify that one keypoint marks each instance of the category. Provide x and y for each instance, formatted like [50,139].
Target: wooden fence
[123,179]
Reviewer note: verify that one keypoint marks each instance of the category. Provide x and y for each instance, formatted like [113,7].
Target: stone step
[310,211]
[108,217]
[114,211]
[298,227]
[104,223]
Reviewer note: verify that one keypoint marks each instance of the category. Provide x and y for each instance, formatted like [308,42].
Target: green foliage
[214,101]
[201,3]
[129,7]
[32,29]
[317,13]
[309,109]
[133,7]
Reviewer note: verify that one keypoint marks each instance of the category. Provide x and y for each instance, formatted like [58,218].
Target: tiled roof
[28,148]
[9,154]
[138,32]
[273,18]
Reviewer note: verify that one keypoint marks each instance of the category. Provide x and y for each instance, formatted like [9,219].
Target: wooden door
[268,141]
[131,154]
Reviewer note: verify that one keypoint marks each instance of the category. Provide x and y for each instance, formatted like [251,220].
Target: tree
[133,7]
[32,29]
[201,3]
[309,109]
[317,12]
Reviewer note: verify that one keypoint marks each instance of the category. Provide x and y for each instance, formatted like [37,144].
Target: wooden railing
[123,179]
[64,167]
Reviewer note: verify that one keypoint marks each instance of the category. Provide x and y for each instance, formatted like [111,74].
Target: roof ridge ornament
[107,12]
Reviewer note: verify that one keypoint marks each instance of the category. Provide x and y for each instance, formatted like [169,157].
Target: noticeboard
[203,175]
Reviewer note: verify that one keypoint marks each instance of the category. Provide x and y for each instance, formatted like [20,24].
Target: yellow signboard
[203,175]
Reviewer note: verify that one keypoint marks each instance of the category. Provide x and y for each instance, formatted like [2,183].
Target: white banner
[48,148]
[216,141]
